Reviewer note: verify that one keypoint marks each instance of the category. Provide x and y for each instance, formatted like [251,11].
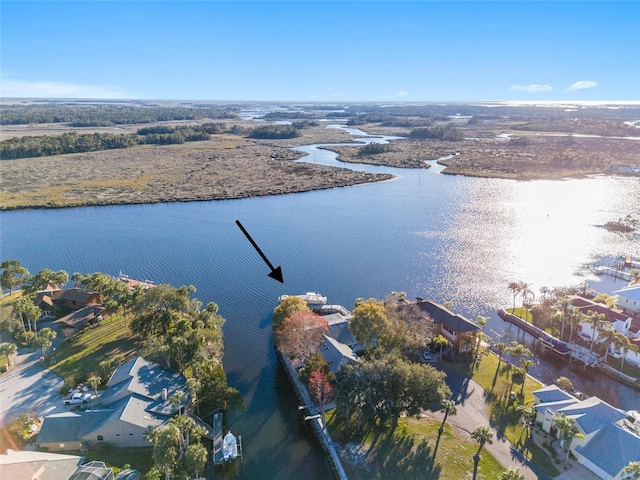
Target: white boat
[229,447]
[313,299]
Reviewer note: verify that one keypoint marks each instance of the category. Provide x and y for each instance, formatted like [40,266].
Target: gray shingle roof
[452,321]
[593,414]
[142,377]
[612,448]
[552,393]
[336,354]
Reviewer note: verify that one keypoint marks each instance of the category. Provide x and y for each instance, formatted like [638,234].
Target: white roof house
[629,298]
[610,440]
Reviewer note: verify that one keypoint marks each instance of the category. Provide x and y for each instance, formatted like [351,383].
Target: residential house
[629,299]
[88,315]
[610,438]
[137,399]
[458,330]
[57,301]
[339,345]
[16,464]
[619,320]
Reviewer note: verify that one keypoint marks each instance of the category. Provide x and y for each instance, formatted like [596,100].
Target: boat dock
[552,343]
[225,447]
[614,273]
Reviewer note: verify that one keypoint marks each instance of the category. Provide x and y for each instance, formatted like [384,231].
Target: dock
[552,343]
[218,439]
[614,273]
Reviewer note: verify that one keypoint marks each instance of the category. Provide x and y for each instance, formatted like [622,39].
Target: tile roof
[585,305]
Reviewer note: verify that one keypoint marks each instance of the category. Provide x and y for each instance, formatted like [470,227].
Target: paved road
[471,405]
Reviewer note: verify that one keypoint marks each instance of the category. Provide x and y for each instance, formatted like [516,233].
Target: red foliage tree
[300,335]
[321,390]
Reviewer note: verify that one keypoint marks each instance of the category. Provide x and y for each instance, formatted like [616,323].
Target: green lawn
[503,414]
[78,358]
[521,312]
[413,451]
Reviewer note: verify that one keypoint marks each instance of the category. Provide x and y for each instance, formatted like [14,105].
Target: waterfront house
[336,354]
[137,399]
[458,330]
[610,436]
[57,301]
[88,315]
[629,299]
[619,320]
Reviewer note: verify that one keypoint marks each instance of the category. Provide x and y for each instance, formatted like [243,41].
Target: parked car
[76,398]
[426,355]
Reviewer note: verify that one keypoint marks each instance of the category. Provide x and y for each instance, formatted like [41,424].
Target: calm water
[444,237]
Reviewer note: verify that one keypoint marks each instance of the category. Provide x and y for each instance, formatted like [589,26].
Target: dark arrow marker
[276,273]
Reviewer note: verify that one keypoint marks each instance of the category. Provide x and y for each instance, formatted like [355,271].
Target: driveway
[471,405]
[28,387]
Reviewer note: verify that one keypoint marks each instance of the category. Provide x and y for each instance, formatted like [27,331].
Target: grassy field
[503,414]
[78,358]
[413,451]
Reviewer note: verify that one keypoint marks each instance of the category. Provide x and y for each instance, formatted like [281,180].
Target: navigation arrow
[276,273]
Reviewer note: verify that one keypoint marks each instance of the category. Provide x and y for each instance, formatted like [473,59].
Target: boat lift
[226,448]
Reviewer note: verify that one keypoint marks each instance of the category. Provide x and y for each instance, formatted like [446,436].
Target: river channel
[449,238]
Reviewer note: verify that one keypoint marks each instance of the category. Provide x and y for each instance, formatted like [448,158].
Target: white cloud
[531,88]
[581,85]
[47,89]
[402,93]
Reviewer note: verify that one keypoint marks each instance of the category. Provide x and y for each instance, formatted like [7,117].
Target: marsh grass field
[229,166]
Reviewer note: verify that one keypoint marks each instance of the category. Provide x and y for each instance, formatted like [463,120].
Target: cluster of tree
[178,450]
[275,132]
[304,124]
[381,387]
[105,115]
[587,126]
[373,149]
[46,145]
[179,333]
[437,132]
[623,225]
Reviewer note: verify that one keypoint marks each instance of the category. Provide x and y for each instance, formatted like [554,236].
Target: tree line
[437,132]
[72,142]
[105,115]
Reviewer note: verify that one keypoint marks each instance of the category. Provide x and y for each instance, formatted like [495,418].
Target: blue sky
[322,51]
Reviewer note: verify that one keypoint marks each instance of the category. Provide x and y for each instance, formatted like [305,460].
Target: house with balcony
[618,319]
[457,329]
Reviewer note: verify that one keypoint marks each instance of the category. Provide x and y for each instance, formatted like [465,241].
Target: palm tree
[525,291]
[8,349]
[623,342]
[482,435]
[176,400]
[562,304]
[515,288]
[528,413]
[632,470]
[449,408]
[94,381]
[596,320]
[440,341]
[500,347]
[526,365]
[608,334]
[568,430]
[576,317]
[512,474]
